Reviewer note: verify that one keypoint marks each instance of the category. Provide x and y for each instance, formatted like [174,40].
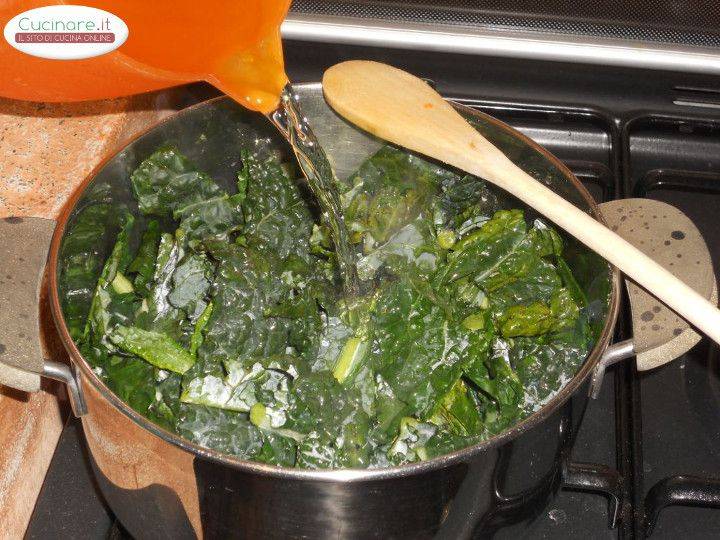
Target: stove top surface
[624,134]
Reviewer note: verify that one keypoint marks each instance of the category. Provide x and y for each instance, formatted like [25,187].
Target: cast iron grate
[676,159]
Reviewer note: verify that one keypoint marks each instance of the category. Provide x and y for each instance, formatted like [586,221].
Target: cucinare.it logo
[66,32]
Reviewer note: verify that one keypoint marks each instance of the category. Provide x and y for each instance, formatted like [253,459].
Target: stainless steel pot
[162,486]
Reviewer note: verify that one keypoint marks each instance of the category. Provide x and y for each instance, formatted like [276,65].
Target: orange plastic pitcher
[232,44]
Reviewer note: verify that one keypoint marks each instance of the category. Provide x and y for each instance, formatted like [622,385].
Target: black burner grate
[677,160]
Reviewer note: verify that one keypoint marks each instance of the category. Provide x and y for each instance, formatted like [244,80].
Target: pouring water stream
[318,172]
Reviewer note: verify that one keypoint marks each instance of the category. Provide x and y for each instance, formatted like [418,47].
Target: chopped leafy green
[81,261]
[459,410]
[143,266]
[350,357]
[225,431]
[278,219]
[415,348]
[167,182]
[387,192]
[190,283]
[225,319]
[198,334]
[108,306]
[483,252]
[409,445]
[157,349]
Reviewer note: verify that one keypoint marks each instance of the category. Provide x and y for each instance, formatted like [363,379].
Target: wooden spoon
[403,109]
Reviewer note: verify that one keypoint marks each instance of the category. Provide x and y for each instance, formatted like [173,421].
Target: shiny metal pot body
[162,486]
[160,490]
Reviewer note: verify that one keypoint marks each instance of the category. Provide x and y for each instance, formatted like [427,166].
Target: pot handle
[667,235]
[24,245]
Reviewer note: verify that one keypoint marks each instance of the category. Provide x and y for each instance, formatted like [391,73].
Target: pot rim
[330,475]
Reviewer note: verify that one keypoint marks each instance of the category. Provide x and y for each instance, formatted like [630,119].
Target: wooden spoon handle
[403,109]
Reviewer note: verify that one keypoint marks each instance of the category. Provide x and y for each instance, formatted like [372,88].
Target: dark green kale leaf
[165,409]
[565,312]
[331,420]
[249,333]
[278,219]
[190,284]
[81,261]
[498,390]
[113,301]
[538,317]
[225,431]
[528,320]
[132,379]
[417,350]
[577,294]
[545,240]
[277,449]
[216,217]
[463,204]
[148,390]
[500,258]
[240,384]
[538,284]
[417,441]
[143,266]
[388,411]
[545,363]
[388,192]
[157,314]
[335,333]
[483,251]
[247,282]
[501,390]
[404,248]
[409,445]
[443,442]
[458,411]
[168,184]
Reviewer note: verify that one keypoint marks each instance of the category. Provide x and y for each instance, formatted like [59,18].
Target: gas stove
[645,459]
